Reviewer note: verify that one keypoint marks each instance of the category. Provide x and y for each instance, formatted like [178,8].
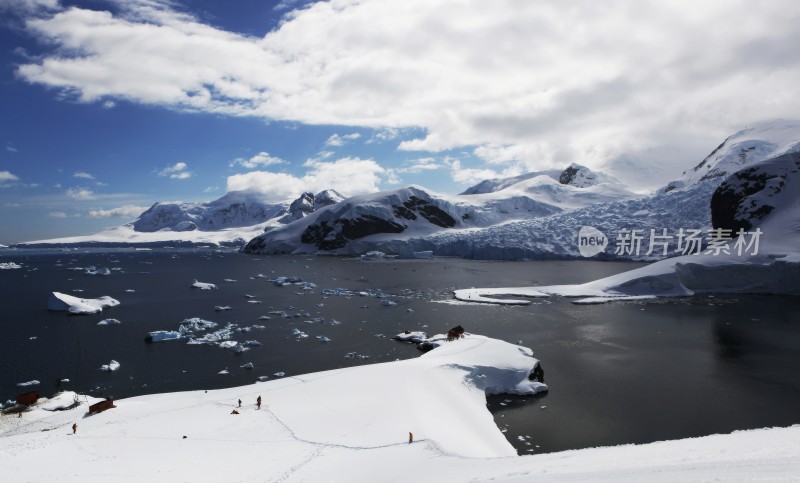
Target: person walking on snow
[410,438]
[258,402]
[240,403]
[74,427]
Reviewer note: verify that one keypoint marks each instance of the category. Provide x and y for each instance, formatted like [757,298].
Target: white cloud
[7,177]
[80,194]
[57,214]
[259,160]
[353,175]
[12,205]
[82,174]
[341,140]
[177,171]
[127,211]
[109,104]
[420,165]
[11,149]
[211,189]
[583,79]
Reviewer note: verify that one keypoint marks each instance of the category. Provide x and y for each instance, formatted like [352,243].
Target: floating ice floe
[109,322]
[299,334]
[388,303]
[249,365]
[228,280]
[130,290]
[224,371]
[9,266]
[251,343]
[605,300]
[355,355]
[97,271]
[203,285]
[411,336]
[373,255]
[283,281]
[111,366]
[279,374]
[248,296]
[265,317]
[222,308]
[162,335]
[195,324]
[32,382]
[263,378]
[323,339]
[75,305]
[253,301]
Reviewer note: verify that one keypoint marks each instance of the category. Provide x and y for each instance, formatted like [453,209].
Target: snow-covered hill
[389,219]
[230,220]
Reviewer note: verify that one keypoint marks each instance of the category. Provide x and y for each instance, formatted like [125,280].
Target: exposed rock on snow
[75,305]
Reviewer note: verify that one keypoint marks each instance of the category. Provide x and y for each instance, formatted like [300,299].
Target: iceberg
[109,322]
[75,305]
[162,335]
[97,271]
[32,382]
[9,266]
[203,285]
[411,336]
[111,366]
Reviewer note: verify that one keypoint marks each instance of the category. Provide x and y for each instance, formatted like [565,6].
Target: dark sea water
[618,373]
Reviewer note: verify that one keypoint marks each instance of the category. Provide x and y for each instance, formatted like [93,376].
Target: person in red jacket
[74,427]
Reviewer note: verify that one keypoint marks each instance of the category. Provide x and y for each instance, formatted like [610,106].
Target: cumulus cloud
[542,83]
[355,175]
[340,140]
[6,177]
[127,211]
[177,171]
[80,194]
[29,6]
[261,159]
[82,174]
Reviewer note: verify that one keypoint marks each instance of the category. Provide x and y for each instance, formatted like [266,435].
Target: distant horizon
[113,106]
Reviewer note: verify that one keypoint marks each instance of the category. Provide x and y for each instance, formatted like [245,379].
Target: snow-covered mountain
[388,219]
[539,215]
[230,220]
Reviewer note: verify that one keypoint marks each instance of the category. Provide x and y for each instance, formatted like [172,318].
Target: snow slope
[352,425]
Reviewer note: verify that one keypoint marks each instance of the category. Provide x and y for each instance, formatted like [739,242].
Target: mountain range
[534,215]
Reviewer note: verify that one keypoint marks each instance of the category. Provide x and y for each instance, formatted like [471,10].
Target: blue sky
[109,106]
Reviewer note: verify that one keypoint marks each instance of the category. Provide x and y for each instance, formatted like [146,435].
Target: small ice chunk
[323,339]
[203,285]
[9,266]
[228,344]
[249,365]
[228,280]
[109,322]
[279,374]
[388,303]
[263,378]
[111,366]
[265,317]
[409,336]
[130,290]
[161,335]
[222,308]
[97,271]
[32,382]
[224,371]
[253,301]
[251,343]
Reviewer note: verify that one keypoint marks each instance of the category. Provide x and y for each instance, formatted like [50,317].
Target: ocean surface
[618,373]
